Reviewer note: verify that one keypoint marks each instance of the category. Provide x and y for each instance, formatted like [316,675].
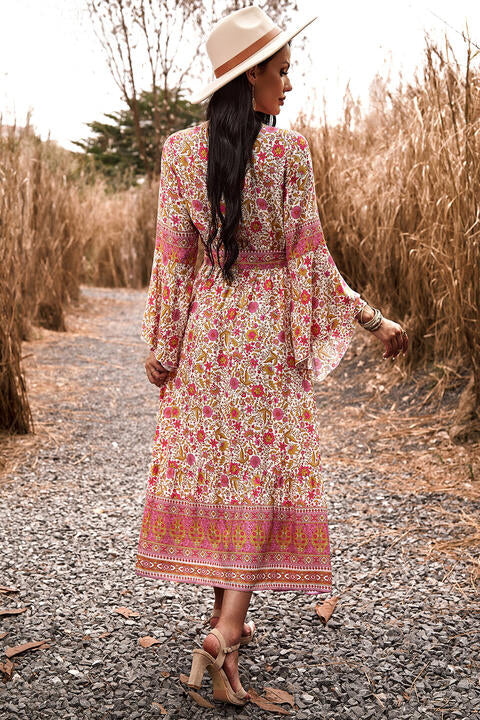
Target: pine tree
[114,147]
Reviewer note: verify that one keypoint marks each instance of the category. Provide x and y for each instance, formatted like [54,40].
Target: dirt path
[403,641]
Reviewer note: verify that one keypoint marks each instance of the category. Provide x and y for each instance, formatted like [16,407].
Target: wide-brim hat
[239,41]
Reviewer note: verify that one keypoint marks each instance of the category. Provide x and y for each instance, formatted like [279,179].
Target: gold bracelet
[359,316]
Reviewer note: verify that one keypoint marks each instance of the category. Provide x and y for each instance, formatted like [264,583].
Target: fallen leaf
[325,610]
[165,673]
[12,611]
[268,667]
[264,703]
[162,709]
[183,678]
[6,589]
[200,700]
[2,635]
[7,669]
[37,645]
[126,592]
[126,612]
[148,641]
[278,696]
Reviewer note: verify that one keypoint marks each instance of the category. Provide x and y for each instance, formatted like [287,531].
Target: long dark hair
[233,126]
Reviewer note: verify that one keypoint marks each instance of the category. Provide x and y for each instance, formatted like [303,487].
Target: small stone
[307,698]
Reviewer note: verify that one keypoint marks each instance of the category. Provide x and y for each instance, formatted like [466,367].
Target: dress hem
[320,590]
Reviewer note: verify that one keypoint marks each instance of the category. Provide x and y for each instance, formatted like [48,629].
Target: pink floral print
[235,494]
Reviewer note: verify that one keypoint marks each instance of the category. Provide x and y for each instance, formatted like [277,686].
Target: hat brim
[269,49]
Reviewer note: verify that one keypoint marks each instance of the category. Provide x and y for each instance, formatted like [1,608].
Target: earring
[253,97]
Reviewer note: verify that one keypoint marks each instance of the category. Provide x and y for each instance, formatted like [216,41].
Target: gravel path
[403,641]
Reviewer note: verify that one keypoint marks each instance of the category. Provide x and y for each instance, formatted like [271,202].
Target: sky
[52,64]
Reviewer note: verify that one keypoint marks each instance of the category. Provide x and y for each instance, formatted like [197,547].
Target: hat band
[247,52]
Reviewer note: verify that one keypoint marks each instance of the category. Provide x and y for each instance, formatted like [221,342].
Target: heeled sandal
[245,639]
[202,660]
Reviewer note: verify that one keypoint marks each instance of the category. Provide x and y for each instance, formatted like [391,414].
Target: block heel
[202,660]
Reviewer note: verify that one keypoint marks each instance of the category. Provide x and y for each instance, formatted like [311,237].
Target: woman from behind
[277,317]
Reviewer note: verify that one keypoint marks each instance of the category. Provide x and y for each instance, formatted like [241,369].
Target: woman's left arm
[394,338]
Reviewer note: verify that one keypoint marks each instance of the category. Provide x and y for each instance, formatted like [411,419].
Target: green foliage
[114,145]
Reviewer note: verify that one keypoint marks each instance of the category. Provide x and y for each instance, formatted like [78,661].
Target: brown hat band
[247,52]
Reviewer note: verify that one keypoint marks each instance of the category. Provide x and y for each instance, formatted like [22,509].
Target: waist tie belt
[255,259]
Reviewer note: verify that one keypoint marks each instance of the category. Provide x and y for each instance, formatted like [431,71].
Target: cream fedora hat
[241,40]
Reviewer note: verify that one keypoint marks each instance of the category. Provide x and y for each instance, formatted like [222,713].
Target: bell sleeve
[322,305]
[173,269]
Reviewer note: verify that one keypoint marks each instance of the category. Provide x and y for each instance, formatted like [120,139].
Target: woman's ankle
[231,633]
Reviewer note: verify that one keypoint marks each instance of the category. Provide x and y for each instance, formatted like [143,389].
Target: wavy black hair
[233,126]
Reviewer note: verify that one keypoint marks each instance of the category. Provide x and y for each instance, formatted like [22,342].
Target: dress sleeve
[173,269]
[322,305]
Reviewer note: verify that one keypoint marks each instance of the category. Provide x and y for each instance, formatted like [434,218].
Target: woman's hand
[156,373]
[390,333]
[393,337]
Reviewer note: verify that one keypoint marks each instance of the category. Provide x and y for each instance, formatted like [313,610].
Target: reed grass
[60,226]
[398,191]
[399,197]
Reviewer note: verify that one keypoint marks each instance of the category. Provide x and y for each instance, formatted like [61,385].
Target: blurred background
[387,94]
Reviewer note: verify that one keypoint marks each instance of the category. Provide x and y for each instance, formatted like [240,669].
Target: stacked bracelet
[374,323]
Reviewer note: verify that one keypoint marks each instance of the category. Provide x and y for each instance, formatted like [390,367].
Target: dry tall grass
[399,195]
[38,256]
[60,226]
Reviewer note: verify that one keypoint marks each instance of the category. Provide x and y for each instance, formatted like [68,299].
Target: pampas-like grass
[60,226]
[399,199]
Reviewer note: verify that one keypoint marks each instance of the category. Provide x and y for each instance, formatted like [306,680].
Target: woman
[235,496]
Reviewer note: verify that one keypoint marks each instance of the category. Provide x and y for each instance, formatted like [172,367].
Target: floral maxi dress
[235,493]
